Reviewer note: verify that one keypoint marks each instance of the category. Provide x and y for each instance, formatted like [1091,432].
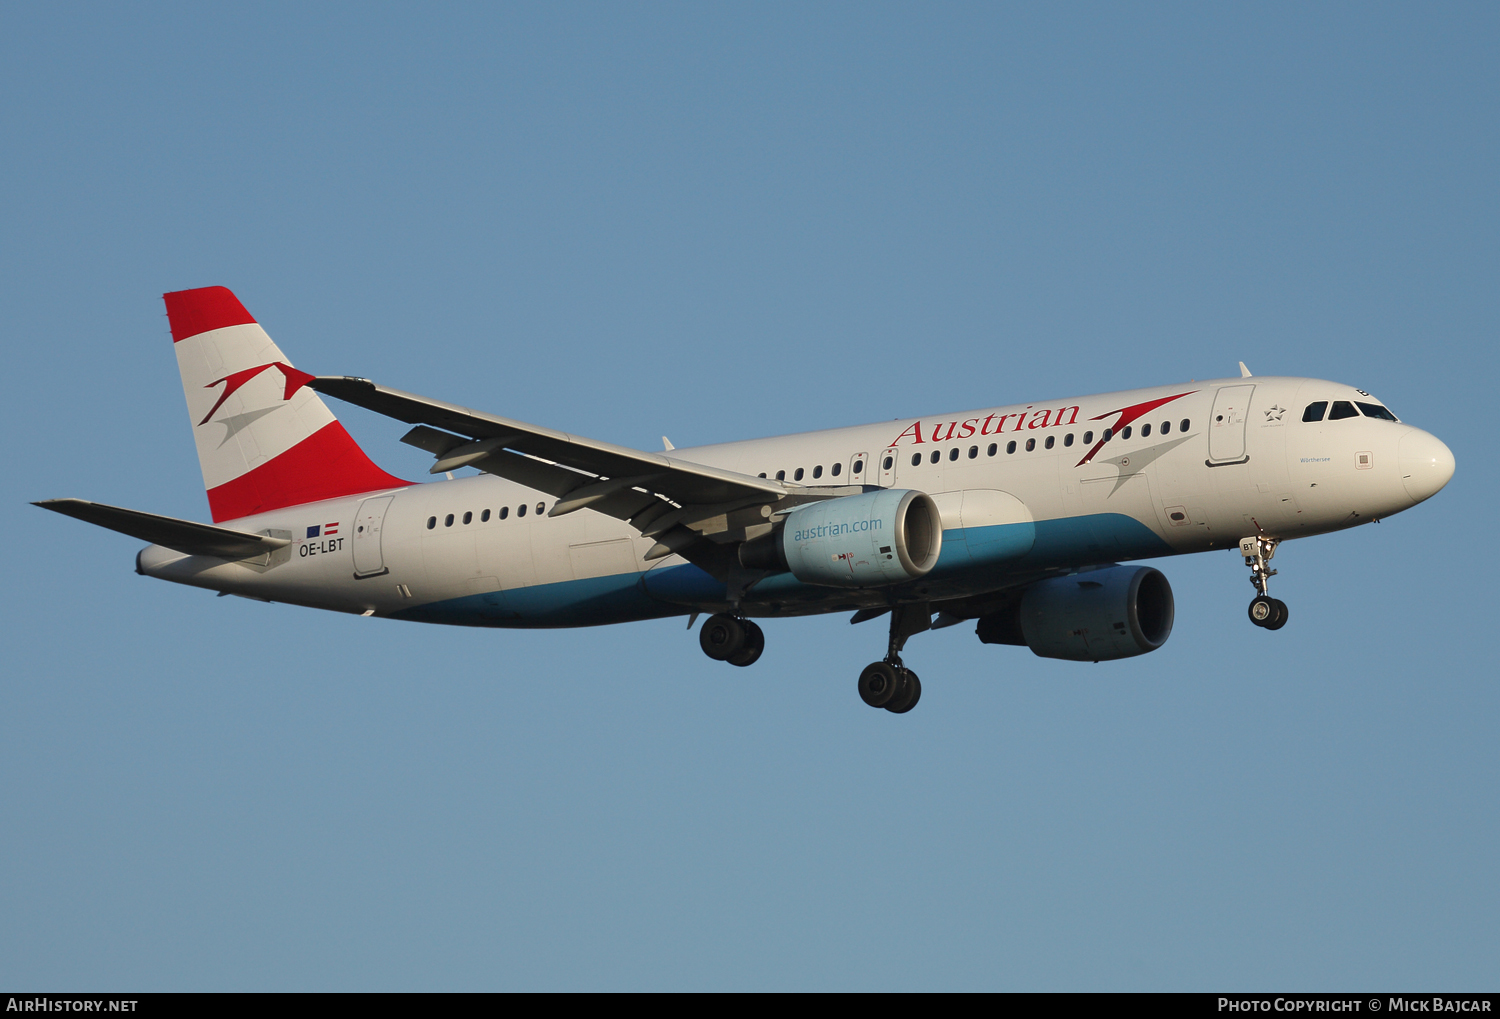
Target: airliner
[1018,518]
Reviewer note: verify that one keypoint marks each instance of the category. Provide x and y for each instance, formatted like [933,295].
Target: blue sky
[717,222]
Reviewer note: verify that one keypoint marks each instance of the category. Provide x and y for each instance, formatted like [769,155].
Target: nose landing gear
[1265,611]
[1270,613]
[889,684]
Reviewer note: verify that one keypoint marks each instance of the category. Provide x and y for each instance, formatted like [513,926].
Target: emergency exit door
[858,463]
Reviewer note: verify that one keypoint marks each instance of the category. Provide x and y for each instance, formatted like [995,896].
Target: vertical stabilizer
[264,440]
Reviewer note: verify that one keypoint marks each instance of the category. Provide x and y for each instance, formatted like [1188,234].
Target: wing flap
[547,459]
[184,536]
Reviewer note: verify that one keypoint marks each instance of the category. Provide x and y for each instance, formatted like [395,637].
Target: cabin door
[1226,426]
[368,560]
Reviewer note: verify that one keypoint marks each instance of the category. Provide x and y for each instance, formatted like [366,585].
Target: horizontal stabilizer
[180,535]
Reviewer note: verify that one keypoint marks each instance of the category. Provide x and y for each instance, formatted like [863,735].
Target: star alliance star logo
[1274,414]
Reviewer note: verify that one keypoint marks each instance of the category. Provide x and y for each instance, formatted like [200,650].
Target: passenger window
[448,520]
[916,458]
[1109,433]
[1376,411]
[992,450]
[484,517]
[1051,441]
[762,473]
[468,517]
[504,512]
[818,471]
[1010,447]
[885,464]
[1166,426]
[859,465]
[1068,439]
[781,475]
[973,452]
[521,510]
[937,455]
[539,507]
[431,522]
[1145,431]
[1342,409]
[1030,445]
[1088,437]
[953,453]
[798,475]
[1126,433]
[840,467]
[1315,411]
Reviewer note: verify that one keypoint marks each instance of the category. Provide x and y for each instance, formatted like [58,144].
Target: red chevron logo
[1127,415]
[295,380]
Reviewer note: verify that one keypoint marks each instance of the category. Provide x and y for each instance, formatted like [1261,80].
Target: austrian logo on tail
[295,380]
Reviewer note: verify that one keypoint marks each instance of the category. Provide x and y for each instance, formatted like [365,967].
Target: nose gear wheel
[1270,613]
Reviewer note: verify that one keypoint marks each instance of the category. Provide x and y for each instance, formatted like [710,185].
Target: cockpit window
[1315,411]
[1375,410]
[1342,409]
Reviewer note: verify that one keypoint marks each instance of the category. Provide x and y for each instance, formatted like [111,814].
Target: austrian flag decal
[323,530]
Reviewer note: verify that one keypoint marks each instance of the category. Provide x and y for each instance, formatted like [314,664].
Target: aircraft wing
[654,492]
[185,536]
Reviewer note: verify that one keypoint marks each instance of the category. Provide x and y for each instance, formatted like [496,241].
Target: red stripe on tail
[325,465]
[191,312]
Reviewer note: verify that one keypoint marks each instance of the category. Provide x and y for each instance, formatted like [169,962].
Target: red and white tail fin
[264,440]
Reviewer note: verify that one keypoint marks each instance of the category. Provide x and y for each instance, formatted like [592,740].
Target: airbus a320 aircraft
[1015,517]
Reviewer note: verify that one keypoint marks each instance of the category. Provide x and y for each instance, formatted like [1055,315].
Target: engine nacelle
[868,540]
[1094,616]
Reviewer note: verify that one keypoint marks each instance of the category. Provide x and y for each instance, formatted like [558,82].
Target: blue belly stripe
[982,556]
[591,602]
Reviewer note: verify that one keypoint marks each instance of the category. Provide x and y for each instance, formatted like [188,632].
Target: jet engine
[1095,616]
[868,540]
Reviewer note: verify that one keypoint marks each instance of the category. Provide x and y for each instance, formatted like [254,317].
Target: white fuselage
[1235,459]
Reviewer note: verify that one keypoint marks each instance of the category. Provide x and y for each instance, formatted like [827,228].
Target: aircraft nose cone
[1426,464]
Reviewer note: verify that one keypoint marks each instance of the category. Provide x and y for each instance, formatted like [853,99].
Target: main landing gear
[889,684]
[732,639]
[1265,611]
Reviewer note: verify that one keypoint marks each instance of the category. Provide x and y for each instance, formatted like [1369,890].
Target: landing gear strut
[1265,611]
[889,684]
[732,639]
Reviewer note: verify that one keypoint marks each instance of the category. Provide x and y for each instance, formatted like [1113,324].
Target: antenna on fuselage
[1244,372]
